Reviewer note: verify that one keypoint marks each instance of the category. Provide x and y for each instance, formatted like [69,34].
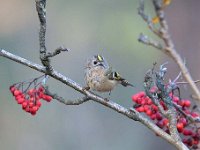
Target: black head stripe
[116,75]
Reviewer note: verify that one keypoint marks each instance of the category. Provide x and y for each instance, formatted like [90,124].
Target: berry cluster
[189,131]
[29,99]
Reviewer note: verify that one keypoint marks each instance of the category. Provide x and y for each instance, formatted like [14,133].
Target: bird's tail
[116,76]
[126,83]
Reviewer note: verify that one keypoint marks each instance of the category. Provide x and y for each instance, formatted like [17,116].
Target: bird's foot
[106,99]
[86,88]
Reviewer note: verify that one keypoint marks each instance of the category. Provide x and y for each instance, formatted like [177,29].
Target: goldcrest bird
[100,77]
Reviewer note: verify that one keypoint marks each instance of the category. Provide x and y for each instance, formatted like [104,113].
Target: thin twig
[196,81]
[64,101]
[147,18]
[170,49]
[57,51]
[145,40]
[187,116]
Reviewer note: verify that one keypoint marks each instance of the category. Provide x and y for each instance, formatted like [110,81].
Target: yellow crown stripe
[99,58]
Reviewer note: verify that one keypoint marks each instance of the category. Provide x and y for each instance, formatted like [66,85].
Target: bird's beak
[86,66]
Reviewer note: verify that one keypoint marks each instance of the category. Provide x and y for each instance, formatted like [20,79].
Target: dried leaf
[166,2]
[155,20]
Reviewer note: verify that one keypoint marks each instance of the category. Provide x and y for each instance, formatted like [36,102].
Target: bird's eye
[95,62]
[115,75]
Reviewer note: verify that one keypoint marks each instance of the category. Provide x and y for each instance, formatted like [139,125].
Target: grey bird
[100,77]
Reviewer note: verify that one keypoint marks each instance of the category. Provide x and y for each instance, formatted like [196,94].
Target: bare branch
[165,96]
[66,102]
[187,116]
[41,9]
[170,49]
[57,51]
[196,81]
[156,101]
[22,61]
[147,18]
[171,115]
[145,40]
[131,114]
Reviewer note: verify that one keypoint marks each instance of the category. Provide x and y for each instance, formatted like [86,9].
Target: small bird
[100,77]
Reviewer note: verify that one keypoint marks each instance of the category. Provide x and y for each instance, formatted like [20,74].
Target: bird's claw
[86,88]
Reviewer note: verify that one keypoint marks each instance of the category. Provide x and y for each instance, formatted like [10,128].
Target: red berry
[183,120]
[17,97]
[196,141]
[41,89]
[149,112]
[194,114]
[47,98]
[165,122]
[20,100]
[31,92]
[163,105]
[181,103]
[135,98]
[38,103]
[141,94]
[17,92]
[24,104]
[159,124]
[175,99]
[33,113]
[187,111]
[180,126]
[146,108]
[40,94]
[187,103]
[27,109]
[37,98]
[158,116]
[189,142]
[140,109]
[31,99]
[143,101]
[153,116]
[12,89]
[154,107]
[167,131]
[139,100]
[149,101]
[153,89]
[30,104]
[185,141]
[34,108]
[187,132]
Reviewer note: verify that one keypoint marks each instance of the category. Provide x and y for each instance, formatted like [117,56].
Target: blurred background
[107,27]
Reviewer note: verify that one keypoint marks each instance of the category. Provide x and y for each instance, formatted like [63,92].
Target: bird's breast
[97,81]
